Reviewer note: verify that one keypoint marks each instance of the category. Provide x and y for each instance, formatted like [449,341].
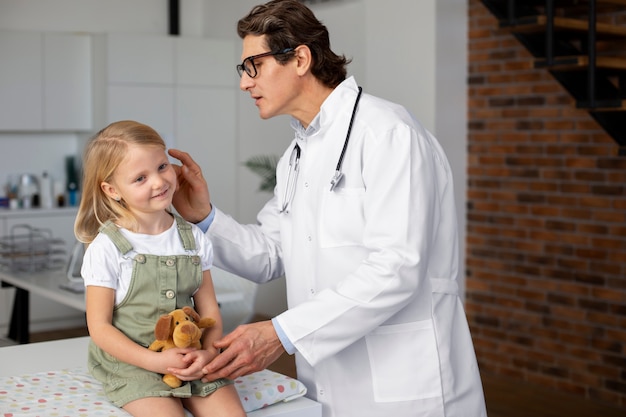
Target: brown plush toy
[180,328]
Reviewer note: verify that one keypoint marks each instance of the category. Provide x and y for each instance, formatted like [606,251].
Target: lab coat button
[309,238]
[312,291]
[321,392]
[169,294]
[306,185]
[170,262]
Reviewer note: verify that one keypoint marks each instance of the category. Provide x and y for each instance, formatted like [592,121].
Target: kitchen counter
[47,284]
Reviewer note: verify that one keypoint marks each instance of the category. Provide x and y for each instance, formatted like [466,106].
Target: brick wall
[546,227]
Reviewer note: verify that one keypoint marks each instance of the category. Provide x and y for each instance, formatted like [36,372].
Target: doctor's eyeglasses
[248,64]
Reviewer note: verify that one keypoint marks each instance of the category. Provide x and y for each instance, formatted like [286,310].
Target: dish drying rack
[31,249]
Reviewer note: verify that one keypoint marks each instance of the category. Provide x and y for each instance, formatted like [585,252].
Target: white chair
[236,296]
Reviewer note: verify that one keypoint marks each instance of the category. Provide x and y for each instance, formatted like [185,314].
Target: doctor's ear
[304,59]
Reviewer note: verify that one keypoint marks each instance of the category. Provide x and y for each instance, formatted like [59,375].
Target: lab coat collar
[343,92]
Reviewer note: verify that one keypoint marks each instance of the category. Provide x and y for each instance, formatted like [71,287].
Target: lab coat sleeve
[252,251]
[404,172]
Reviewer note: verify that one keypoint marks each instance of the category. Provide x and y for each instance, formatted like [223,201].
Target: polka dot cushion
[76,393]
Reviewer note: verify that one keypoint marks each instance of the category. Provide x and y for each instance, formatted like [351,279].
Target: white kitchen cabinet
[185,88]
[44,313]
[21,81]
[206,127]
[206,62]
[67,98]
[45,82]
[139,59]
[149,104]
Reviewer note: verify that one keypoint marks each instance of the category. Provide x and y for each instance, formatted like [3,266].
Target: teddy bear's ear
[205,322]
[192,313]
[162,327]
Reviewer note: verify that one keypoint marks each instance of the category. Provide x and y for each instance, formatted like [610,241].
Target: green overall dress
[159,284]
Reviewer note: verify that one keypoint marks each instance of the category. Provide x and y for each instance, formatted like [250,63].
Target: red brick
[546,223]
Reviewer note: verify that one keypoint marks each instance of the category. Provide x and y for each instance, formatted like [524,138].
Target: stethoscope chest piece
[338,174]
[335,180]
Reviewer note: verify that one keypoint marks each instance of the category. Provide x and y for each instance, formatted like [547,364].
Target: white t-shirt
[104,265]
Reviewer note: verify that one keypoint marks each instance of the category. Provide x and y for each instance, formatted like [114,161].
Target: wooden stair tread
[572,6]
[621,108]
[611,2]
[571,63]
[598,2]
[530,24]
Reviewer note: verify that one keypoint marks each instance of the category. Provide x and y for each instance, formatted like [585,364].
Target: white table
[72,353]
[47,283]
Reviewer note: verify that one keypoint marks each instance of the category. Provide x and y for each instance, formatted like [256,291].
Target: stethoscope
[294,163]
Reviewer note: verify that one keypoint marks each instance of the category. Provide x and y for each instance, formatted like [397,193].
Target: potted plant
[265,167]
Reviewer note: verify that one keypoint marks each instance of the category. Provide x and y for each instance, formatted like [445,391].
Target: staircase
[585,54]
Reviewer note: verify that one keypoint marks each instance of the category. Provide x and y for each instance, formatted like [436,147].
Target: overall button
[195,260]
[170,294]
[170,262]
[140,259]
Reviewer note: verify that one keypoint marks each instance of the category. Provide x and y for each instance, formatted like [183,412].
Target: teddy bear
[180,328]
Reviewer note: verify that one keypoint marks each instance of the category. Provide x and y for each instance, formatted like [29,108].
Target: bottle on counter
[72,181]
[59,192]
[12,193]
[45,191]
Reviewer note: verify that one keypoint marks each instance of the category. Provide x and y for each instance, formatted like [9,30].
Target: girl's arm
[206,305]
[100,302]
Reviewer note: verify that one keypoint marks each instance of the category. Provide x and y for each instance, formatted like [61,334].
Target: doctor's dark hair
[288,24]
[103,155]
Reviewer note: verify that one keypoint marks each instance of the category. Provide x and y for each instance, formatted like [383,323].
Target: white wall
[411,52]
[99,16]
[451,101]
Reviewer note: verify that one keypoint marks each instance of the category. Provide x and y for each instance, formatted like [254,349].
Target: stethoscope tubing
[294,162]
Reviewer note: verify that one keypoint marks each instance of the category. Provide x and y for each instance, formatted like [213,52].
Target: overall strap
[121,243]
[185,233]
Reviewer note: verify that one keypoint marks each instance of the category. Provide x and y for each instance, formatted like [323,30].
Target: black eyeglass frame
[241,68]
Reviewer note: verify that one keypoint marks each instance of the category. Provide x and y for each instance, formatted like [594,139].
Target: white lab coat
[371,267]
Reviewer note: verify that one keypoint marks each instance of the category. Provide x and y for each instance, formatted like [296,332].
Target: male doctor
[363,225]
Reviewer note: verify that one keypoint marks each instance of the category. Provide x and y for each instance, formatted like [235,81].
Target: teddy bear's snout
[188,328]
[185,334]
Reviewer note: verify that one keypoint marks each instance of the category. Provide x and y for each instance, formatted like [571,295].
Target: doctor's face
[273,89]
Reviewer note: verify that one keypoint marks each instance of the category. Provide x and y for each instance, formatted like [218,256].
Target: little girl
[142,261]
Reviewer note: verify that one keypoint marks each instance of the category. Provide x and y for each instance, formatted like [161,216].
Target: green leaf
[265,167]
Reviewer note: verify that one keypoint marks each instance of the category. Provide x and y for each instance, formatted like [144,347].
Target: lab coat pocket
[404,362]
[342,219]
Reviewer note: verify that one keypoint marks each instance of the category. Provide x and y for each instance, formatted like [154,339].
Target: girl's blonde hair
[103,154]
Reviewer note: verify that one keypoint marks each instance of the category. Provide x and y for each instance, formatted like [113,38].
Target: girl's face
[145,180]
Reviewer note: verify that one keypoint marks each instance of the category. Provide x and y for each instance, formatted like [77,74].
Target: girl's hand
[170,358]
[193,363]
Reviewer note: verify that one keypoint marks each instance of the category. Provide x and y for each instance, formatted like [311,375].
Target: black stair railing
[569,52]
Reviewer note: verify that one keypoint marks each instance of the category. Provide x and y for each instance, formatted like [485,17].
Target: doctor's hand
[194,361]
[249,348]
[191,199]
